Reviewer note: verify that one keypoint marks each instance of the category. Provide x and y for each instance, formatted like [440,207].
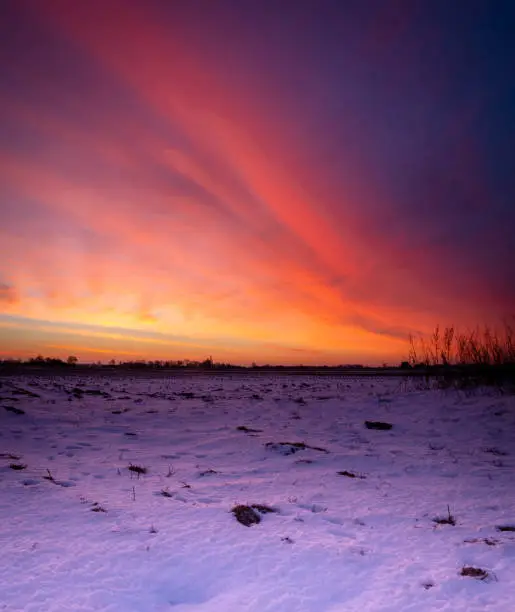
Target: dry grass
[246,515]
[289,448]
[208,472]
[10,456]
[475,572]
[96,507]
[350,474]
[250,515]
[446,520]
[137,469]
[487,541]
[481,346]
[482,356]
[14,410]
[379,425]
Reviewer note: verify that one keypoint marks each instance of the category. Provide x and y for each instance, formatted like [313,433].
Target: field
[125,494]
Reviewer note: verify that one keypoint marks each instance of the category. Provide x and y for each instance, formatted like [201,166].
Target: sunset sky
[279,181]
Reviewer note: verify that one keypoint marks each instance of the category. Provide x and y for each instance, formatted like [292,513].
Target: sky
[278,182]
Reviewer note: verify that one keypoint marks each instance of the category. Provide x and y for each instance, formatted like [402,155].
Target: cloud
[8,294]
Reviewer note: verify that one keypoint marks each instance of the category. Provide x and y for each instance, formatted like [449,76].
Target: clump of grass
[347,474]
[14,410]
[10,456]
[490,541]
[248,429]
[18,466]
[137,469]
[96,507]
[505,528]
[496,451]
[208,472]
[49,476]
[475,572]
[379,425]
[482,356]
[250,515]
[20,391]
[98,392]
[481,346]
[487,541]
[186,394]
[350,474]
[446,520]
[165,493]
[289,448]
[246,515]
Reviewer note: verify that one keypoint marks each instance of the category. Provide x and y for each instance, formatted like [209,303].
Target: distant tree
[72,360]
[207,363]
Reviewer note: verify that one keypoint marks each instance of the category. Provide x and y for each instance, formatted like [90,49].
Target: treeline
[40,361]
[73,362]
[157,364]
[181,364]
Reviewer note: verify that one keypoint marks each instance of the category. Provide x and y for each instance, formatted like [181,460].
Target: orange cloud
[8,294]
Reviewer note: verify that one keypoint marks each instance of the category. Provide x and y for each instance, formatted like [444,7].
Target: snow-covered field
[79,530]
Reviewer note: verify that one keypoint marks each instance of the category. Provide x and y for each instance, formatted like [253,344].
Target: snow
[167,539]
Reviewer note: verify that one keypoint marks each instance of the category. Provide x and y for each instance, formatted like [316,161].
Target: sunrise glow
[184,179]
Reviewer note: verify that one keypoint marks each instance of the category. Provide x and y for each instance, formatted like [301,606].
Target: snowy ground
[80,531]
